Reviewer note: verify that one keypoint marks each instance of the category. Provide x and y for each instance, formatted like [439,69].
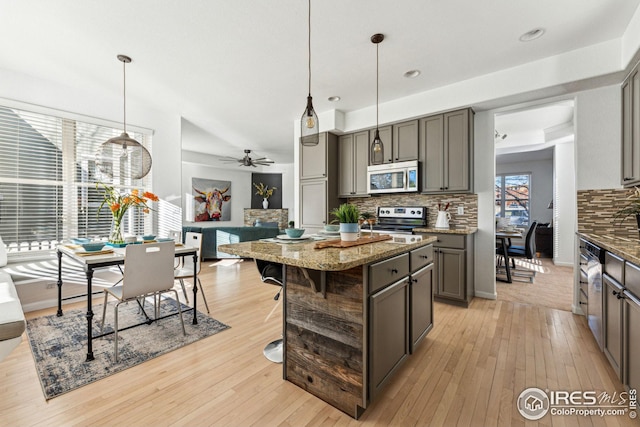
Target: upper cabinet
[353,161]
[314,159]
[400,141]
[631,129]
[446,152]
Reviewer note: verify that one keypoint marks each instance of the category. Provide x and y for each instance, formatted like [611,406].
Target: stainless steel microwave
[401,177]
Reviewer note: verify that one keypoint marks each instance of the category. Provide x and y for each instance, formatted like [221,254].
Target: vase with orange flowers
[119,203]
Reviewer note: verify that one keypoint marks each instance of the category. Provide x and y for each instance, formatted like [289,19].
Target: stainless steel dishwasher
[594,256]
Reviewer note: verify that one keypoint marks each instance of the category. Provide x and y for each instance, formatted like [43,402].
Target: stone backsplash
[468,201]
[597,209]
[281,216]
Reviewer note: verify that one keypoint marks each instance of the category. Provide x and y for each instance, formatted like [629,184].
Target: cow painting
[209,200]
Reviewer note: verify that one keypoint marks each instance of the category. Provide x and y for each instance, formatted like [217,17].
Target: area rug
[59,344]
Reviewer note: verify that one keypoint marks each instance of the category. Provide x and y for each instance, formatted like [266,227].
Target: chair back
[176,235]
[530,241]
[192,240]
[148,268]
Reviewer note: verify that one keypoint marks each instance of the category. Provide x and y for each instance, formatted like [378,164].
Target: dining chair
[527,251]
[148,272]
[185,271]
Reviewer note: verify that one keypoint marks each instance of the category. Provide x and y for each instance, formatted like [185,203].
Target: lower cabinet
[613,304]
[631,373]
[421,296]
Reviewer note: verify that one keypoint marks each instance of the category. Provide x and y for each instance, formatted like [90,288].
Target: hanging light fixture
[309,126]
[122,154]
[377,147]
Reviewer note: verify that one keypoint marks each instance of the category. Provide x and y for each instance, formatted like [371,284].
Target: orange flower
[149,195]
[114,207]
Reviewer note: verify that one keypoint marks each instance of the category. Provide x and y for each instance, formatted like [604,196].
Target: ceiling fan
[248,161]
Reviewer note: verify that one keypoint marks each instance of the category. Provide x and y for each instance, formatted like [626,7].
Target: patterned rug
[59,344]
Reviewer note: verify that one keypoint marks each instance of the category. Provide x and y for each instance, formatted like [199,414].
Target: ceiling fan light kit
[247,160]
[377,147]
[309,125]
[123,155]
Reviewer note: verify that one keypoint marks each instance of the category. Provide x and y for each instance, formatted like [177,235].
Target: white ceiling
[236,71]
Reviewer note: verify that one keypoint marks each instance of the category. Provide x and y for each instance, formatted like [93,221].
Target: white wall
[565,220]
[541,185]
[198,165]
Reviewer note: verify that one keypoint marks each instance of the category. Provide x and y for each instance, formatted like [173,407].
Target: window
[512,198]
[48,181]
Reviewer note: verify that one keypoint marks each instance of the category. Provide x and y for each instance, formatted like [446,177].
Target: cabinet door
[346,163]
[456,151]
[360,163]
[313,205]
[631,375]
[405,141]
[421,297]
[432,134]
[313,159]
[388,333]
[631,129]
[451,273]
[613,323]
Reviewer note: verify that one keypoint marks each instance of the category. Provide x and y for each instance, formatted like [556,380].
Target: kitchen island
[351,315]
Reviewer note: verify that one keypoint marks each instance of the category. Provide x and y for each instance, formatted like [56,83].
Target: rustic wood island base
[351,315]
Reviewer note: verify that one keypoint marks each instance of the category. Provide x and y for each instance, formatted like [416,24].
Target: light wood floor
[468,372]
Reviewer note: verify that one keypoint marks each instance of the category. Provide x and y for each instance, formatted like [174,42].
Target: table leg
[506,260]
[89,274]
[59,313]
[195,288]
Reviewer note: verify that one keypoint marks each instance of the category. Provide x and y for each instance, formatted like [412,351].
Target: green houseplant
[632,208]
[348,215]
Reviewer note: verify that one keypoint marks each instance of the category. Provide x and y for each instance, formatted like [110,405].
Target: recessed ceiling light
[412,73]
[536,33]
[334,98]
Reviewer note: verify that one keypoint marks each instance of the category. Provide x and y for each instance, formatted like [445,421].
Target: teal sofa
[214,236]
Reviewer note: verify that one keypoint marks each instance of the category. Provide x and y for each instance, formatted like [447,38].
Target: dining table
[503,238]
[108,257]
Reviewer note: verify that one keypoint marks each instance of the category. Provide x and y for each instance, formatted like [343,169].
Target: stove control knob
[413,212]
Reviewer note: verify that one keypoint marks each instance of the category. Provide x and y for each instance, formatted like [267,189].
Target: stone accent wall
[281,216]
[468,201]
[597,209]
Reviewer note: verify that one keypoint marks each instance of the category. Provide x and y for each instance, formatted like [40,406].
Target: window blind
[48,181]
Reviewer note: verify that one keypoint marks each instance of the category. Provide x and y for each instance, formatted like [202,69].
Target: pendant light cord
[309,46]
[377,85]
[124,94]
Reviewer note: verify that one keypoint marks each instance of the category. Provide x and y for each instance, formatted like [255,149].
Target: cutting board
[342,244]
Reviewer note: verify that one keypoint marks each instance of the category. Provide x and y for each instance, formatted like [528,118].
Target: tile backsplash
[468,201]
[597,209]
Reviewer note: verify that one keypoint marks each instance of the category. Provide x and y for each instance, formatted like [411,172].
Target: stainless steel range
[399,219]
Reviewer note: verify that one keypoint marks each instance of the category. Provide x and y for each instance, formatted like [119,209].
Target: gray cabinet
[421,297]
[446,152]
[630,160]
[386,135]
[318,181]
[612,312]
[405,141]
[453,268]
[353,162]
[631,347]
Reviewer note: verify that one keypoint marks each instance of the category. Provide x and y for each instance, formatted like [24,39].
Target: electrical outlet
[460,210]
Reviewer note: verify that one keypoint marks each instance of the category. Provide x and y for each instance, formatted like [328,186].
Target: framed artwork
[211,199]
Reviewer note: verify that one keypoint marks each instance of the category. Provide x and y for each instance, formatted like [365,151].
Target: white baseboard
[486,295]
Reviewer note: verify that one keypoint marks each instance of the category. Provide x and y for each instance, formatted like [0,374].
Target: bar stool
[271,272]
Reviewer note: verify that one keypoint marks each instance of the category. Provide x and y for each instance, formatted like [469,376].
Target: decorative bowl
[332,228]
[149,237]
[294,232]
[93,246]
[80,240]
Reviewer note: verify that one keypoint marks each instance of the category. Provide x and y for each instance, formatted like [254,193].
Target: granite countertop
[629,249]
[452,230]
[327,259]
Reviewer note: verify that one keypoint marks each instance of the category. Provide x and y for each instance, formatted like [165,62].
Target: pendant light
[377,148]
[309,126]
[123,155]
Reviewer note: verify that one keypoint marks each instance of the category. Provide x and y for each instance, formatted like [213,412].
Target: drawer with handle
[421,257]
[385,272]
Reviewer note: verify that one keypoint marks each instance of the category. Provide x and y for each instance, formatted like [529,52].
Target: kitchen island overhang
[333,298]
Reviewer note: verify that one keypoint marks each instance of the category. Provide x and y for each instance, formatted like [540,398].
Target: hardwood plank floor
[469,371]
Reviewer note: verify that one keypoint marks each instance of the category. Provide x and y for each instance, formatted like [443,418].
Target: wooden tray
[342,244]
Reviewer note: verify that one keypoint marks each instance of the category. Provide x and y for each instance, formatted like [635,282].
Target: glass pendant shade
[309,128]
[377,150]
[123,156]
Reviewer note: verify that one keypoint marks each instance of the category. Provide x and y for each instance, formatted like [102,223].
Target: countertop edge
[462,231]
[394,249]
[615,245]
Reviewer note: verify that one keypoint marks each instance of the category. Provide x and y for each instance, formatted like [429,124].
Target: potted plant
[348,215]
[632,207]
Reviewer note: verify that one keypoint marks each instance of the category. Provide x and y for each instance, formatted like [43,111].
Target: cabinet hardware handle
[583,303]
[394,270]
[424,256]
[620,296]
[582,282]
[628,179]
[583,263]
[615,292]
